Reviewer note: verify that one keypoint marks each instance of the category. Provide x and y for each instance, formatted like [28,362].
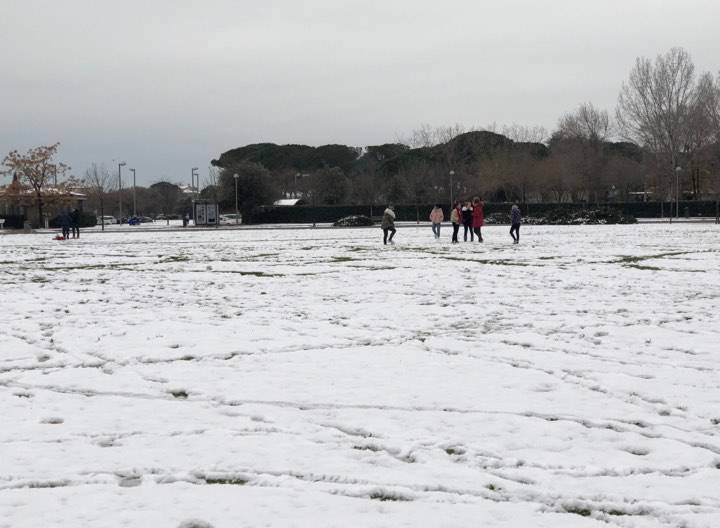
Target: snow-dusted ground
[317,378]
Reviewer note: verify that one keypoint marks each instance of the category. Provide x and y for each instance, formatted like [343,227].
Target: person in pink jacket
[436,217]
[478,218]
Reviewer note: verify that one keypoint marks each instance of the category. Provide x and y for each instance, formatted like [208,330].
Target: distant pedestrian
[65,224]
[456,219]
[75,223]
[436,217]
[478,217]
[515,221]
[388,225]
[467,221]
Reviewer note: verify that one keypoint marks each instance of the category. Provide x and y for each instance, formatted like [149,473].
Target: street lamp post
[452,203]
[193,177]
[237,211]
[134,197]
[120,166]
[678,170]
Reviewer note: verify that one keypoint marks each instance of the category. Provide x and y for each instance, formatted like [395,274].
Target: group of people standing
[470,215]
[70,221]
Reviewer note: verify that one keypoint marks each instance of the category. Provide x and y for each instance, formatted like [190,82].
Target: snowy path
[317,378]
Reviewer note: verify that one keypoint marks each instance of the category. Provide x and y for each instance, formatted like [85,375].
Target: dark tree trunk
[39,207]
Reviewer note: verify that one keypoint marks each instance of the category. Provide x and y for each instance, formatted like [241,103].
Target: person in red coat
[478,218]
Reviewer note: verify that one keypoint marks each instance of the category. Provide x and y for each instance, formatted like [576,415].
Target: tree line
[661,142]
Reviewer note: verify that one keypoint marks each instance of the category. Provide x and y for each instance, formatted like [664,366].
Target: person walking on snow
[467,217]
[478,217]
[456,219]
[515,221]
[436,217]
[388,225]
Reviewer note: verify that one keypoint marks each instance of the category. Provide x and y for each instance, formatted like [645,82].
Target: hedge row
[13,221]
[322,214]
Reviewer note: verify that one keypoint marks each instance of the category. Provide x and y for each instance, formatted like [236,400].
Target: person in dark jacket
[75,223]
[467,218]
[388,225]
[65,224]
[515,221]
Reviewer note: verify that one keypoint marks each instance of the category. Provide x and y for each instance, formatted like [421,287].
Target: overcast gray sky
[167,85]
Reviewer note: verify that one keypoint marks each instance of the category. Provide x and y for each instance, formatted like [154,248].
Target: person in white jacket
[388,225]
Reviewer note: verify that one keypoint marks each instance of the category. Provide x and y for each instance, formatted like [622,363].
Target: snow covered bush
[581,217]
[354,221]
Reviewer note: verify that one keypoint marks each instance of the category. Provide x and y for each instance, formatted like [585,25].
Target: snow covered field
[317,378]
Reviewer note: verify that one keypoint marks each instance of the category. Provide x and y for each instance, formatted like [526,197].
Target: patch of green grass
[627,259]
[492,262]
[578,510]
[369,447]
[385,496]
[643,267]
[174,258]
[231,481]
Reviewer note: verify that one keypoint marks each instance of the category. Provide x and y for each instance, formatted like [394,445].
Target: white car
[230,219]
[106,220]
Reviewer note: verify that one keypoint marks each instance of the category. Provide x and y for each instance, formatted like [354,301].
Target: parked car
[106,220]
[136,220]
[230,219]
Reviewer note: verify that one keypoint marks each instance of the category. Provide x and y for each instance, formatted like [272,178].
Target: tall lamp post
[678,170]
[237,211]
[452,203]
[193,177]
[120,166]
[134,197]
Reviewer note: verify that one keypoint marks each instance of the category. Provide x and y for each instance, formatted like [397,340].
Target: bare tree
[212,183]
[587,123]
[35,168]
[525,134]
[98,183]
[653,104]
[429,136]
[580,141]
[709,98]
[700,131]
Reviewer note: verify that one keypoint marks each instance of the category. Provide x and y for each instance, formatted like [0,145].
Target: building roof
[286,202]
[15,190]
